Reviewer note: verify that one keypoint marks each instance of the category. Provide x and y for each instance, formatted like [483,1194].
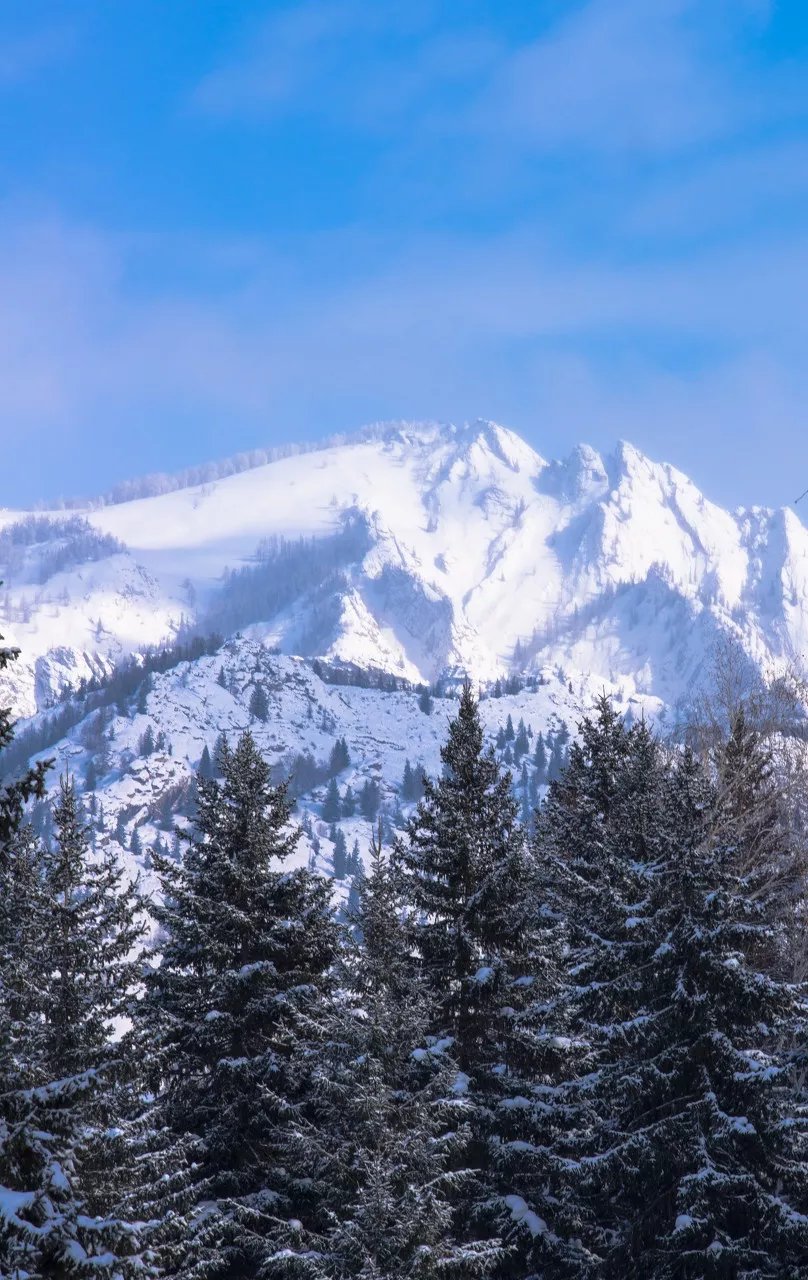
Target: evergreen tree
[393,1115]
[206,769]
[370,799]
[682,1137]
[120,830]
[340,757]
[146,742]
[407,783]
[355,860]
[15,793]
[425,702]
[348,803]
[509,729]
[332,805]
[463,869]
[340,854]
[540,759]
[60,1155]
[556,763]
[259,703]
[232,1015]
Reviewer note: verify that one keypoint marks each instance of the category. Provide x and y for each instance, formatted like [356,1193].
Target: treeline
[572,1053]
[59,544]
[284,570]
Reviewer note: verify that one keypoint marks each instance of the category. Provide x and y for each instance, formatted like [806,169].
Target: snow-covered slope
[438,549]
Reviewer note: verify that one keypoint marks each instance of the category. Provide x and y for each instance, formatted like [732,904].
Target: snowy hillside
[417,550]
[136,758]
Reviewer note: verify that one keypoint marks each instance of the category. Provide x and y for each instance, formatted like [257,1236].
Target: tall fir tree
[684,1139]
[233,1012]
[395,1118]
[464,872]
[61,1154]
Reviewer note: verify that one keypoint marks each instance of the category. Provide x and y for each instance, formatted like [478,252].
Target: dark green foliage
[340,855]
[392,1114]
[683,1133]
[67,974]
[205,768]
[232,1016]
[332,805]
[463,866]
[369,799]
[15,793]
[259,703]
[412,783]
[348,803]
[340,757]
[425,702]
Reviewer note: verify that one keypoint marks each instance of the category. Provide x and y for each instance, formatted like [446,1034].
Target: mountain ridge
[469,552]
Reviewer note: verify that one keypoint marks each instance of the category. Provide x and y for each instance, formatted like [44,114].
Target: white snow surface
[482,557]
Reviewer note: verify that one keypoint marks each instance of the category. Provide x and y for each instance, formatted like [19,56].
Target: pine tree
[355,860]
[232,1015]
[370,799]
[540,759]
[332,806]
[206,769]
[259,703]
[348,803]
[60,1155]
[683,1136]
[425,702]
[340,757]
[393,1114]
[15,793]
[407,783]
[463,869]
[340,854]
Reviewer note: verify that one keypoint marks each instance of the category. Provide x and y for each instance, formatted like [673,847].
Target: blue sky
[229,225]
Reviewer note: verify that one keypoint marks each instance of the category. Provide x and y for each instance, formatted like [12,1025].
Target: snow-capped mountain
[413,551]
[427,549]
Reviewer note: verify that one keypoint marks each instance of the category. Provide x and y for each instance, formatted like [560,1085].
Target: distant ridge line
[160,482]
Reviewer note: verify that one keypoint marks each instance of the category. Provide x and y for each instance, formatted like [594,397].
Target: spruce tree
[682,1139]
[348,803]
[259,703]
[206,769]
[332,806]
[233,1013]
[395,1118]
[370,799]
[464,872]
[61,1156]
[340,855]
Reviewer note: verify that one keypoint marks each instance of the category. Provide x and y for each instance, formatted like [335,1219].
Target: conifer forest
[549,1048]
